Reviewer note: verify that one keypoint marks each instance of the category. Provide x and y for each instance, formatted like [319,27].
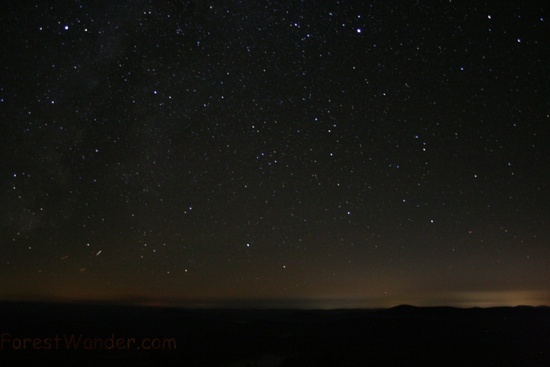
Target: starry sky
[275,153]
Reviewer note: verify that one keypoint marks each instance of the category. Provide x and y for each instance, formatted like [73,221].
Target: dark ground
[401,336]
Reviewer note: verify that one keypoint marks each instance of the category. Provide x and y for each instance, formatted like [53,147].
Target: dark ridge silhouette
[403,307]
[400,336]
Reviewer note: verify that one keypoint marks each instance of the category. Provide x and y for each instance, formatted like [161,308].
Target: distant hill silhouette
[400,336]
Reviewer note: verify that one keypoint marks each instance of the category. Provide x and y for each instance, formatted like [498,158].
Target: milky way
[278,154]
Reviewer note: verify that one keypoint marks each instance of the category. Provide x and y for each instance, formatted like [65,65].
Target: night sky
[275,153]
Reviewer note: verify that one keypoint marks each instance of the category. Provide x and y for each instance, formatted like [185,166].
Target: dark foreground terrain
[91,335]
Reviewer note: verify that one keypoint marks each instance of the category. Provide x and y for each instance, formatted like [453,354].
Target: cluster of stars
[294,140]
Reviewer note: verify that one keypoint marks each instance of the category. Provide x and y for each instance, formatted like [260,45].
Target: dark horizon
[288,304]
[37,334]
